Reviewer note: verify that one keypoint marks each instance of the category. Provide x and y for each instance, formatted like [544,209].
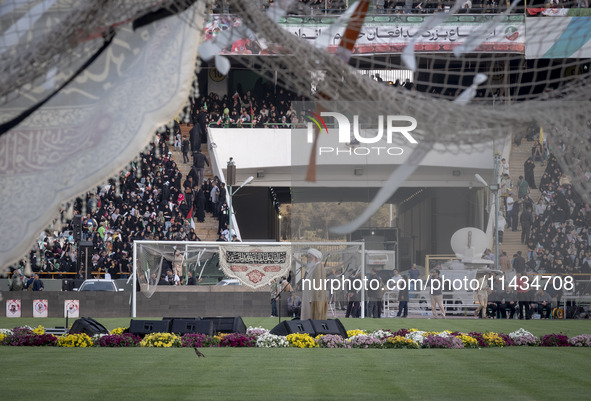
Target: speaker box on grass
[227,324]
[88,326]
[143,327]
[293,326]
[331,326]
[184,326]
[183,317]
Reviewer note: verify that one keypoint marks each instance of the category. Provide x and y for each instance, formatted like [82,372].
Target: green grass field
[315,374]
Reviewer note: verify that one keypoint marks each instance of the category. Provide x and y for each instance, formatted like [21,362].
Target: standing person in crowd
[436,284]
[519,263]
[414,274]
[403,297]
[191,278]
[505,187]
[207,185]
[185,147]
[509,208]
[314,302]
[523,297]
[273,293]
[172,278]
[214,196]
[495,297]
[528,172]
[199,205]
[501,228]
[35,283]
[177,140]
[224,217]
[515,215]
[221,195]
[538,153]
[526,221]
[177,262]
[294,305]
[199,161]
[285,287]
[505,167]
[522,188]
[482,297]
[353,301]
[195,135]
[540,207]
[374,294]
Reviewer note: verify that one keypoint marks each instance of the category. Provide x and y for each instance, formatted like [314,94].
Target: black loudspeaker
[184,317]
[227,324]
[293,326]
[143,327]
[332,326]
[77,227]
[184,326]
[88,326]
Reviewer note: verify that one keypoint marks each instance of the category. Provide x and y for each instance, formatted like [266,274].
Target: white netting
[541,80]
[519,92]
[61,136]
[187,260]
[43,42]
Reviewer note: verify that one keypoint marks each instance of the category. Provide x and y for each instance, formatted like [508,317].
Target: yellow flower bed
[400,342]
[75,340]
[352,333]
[469,342]
[2,337]
[493,340]
[434,333]
[161,340]
[220,336]
[39,330]
[301,340]
[118,330]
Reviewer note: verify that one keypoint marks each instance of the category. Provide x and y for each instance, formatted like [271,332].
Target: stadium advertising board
[386,35]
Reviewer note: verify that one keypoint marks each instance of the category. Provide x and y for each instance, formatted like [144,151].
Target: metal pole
[231,180]
[230,213]
[363,280]
[133,299]
[496,178]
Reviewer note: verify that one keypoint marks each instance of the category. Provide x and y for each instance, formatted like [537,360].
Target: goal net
[254,265]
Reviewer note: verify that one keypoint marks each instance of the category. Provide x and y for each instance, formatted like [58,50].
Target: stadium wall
[175,302]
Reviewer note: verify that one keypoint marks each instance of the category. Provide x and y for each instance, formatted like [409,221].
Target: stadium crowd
[323,7]
[150,201]
[555,227]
